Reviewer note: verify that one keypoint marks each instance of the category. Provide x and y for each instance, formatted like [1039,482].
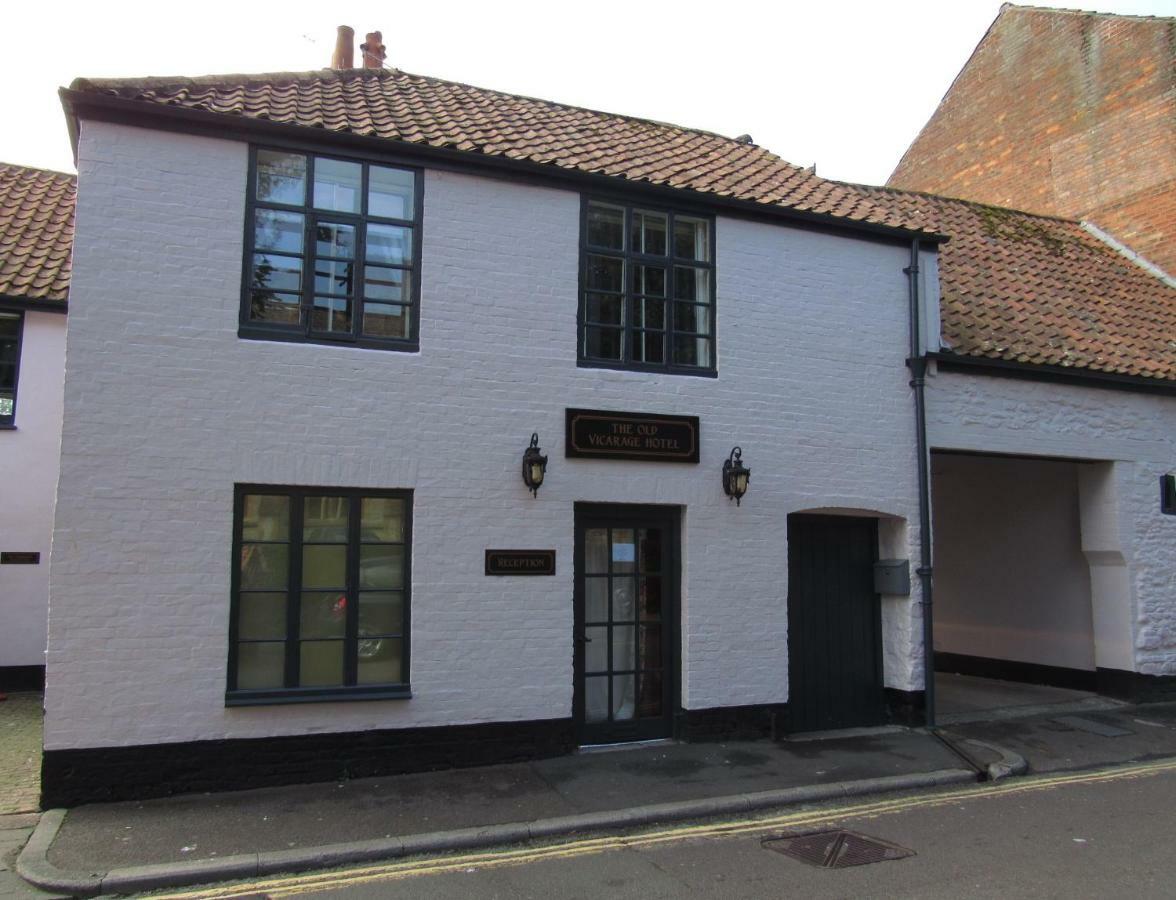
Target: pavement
[138,846]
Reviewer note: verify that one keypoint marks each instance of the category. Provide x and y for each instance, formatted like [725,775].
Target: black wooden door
[626,577]
[834,624]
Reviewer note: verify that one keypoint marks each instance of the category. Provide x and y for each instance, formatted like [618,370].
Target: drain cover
[837,849]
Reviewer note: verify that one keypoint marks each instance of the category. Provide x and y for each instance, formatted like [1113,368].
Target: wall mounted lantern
[534,465]
[735,475]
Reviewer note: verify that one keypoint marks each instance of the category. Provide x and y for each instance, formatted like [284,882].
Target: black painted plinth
[906,707]
[1013,670]
[104,774]
[22,678]
[732,723]
[1135,686]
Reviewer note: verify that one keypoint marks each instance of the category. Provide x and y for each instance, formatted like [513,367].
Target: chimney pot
[344,55]
[373,50]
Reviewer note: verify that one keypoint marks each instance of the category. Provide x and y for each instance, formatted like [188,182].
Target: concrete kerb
[33,863]
[1010,763]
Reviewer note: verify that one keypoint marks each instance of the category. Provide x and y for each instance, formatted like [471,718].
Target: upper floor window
[647,296]
[10,330]
[332,251]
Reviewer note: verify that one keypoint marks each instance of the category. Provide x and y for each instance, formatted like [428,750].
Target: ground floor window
[320,594]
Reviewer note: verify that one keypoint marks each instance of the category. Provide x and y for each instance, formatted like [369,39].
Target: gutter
[917,363]
[108,108]
[1006,368]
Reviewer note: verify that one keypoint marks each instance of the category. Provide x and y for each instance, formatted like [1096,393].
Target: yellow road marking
[286,886]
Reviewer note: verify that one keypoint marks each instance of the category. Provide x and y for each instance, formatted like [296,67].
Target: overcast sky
[846,85]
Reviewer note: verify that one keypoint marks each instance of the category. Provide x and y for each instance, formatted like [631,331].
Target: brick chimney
[344,55]
[373,50]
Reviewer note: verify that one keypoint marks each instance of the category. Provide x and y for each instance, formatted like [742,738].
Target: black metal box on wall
[893,576]
[1168,494]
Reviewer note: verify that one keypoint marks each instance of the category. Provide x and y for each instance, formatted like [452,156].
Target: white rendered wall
[1129,545]
[28,459]
[1011,581]
[167,409]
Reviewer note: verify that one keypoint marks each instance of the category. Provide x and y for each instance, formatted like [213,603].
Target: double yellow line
[301,884]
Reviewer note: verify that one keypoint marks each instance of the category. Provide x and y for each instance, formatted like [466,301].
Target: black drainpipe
[917,363]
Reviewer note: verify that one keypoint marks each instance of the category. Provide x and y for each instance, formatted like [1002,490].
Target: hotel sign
[594,433]
[520,562]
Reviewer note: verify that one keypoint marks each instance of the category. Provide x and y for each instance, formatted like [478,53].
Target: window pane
[692,351]
[604,308]
[381,661]
[337,184]
[648,313]
[691,238]
[651,646]
[381,566]
[321,664]
[331,276]
[649,550]
[265,518]
[596,599]
[324,566]
[596,551]
[692,317]
[261,665]
[386,320]
[264,566]
[281,177]
[323,615]
[623,701]
[602,343]
[649,280]
[390,244]
[332,239]
[262,616]
[275,230]
[651,694]
[9,339]
[324,520]
[692,284]
[622,600]
[651,598]
[277,273]
[331,314]
[387,284]
[596,649]
[624,550]
[381,612]
[605,273]
[624,649]
[390,192]
[382,519]
[649,233]
[596,699]
[279,309]
[606,227]
[649,347]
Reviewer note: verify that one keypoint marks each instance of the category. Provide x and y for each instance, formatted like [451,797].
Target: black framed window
[332,250]
[647,292]
[11,328]
[320,594]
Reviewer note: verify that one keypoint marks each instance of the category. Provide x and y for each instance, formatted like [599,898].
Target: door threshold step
[624,745]
[845,733]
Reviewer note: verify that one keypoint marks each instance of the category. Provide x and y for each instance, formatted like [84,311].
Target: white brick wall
[166,408]
[28,459]
[1134,435]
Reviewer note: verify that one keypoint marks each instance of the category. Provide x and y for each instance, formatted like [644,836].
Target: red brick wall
[1070,114]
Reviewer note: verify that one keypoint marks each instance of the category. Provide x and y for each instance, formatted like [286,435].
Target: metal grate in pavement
[837,849]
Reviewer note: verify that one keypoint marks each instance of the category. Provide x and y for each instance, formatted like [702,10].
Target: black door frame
[795,612]
[631,515]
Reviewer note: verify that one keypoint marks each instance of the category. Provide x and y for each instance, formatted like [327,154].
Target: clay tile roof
[397,106]
[1041,290]
[36,233]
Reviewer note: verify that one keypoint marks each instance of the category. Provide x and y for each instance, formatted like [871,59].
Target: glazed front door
[625,607]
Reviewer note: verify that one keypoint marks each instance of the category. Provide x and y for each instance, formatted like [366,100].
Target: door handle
[584,640]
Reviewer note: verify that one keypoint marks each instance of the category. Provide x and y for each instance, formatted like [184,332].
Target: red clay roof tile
[36,233]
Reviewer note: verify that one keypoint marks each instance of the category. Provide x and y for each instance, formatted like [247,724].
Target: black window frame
[302,332]
[8,422]
[293,693]
[627,363]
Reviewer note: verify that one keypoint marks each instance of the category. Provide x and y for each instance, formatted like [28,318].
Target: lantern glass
[740,483]
[536,473]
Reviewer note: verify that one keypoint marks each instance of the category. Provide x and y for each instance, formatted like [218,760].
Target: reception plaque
[520,562]
[623,435]
[20,558]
